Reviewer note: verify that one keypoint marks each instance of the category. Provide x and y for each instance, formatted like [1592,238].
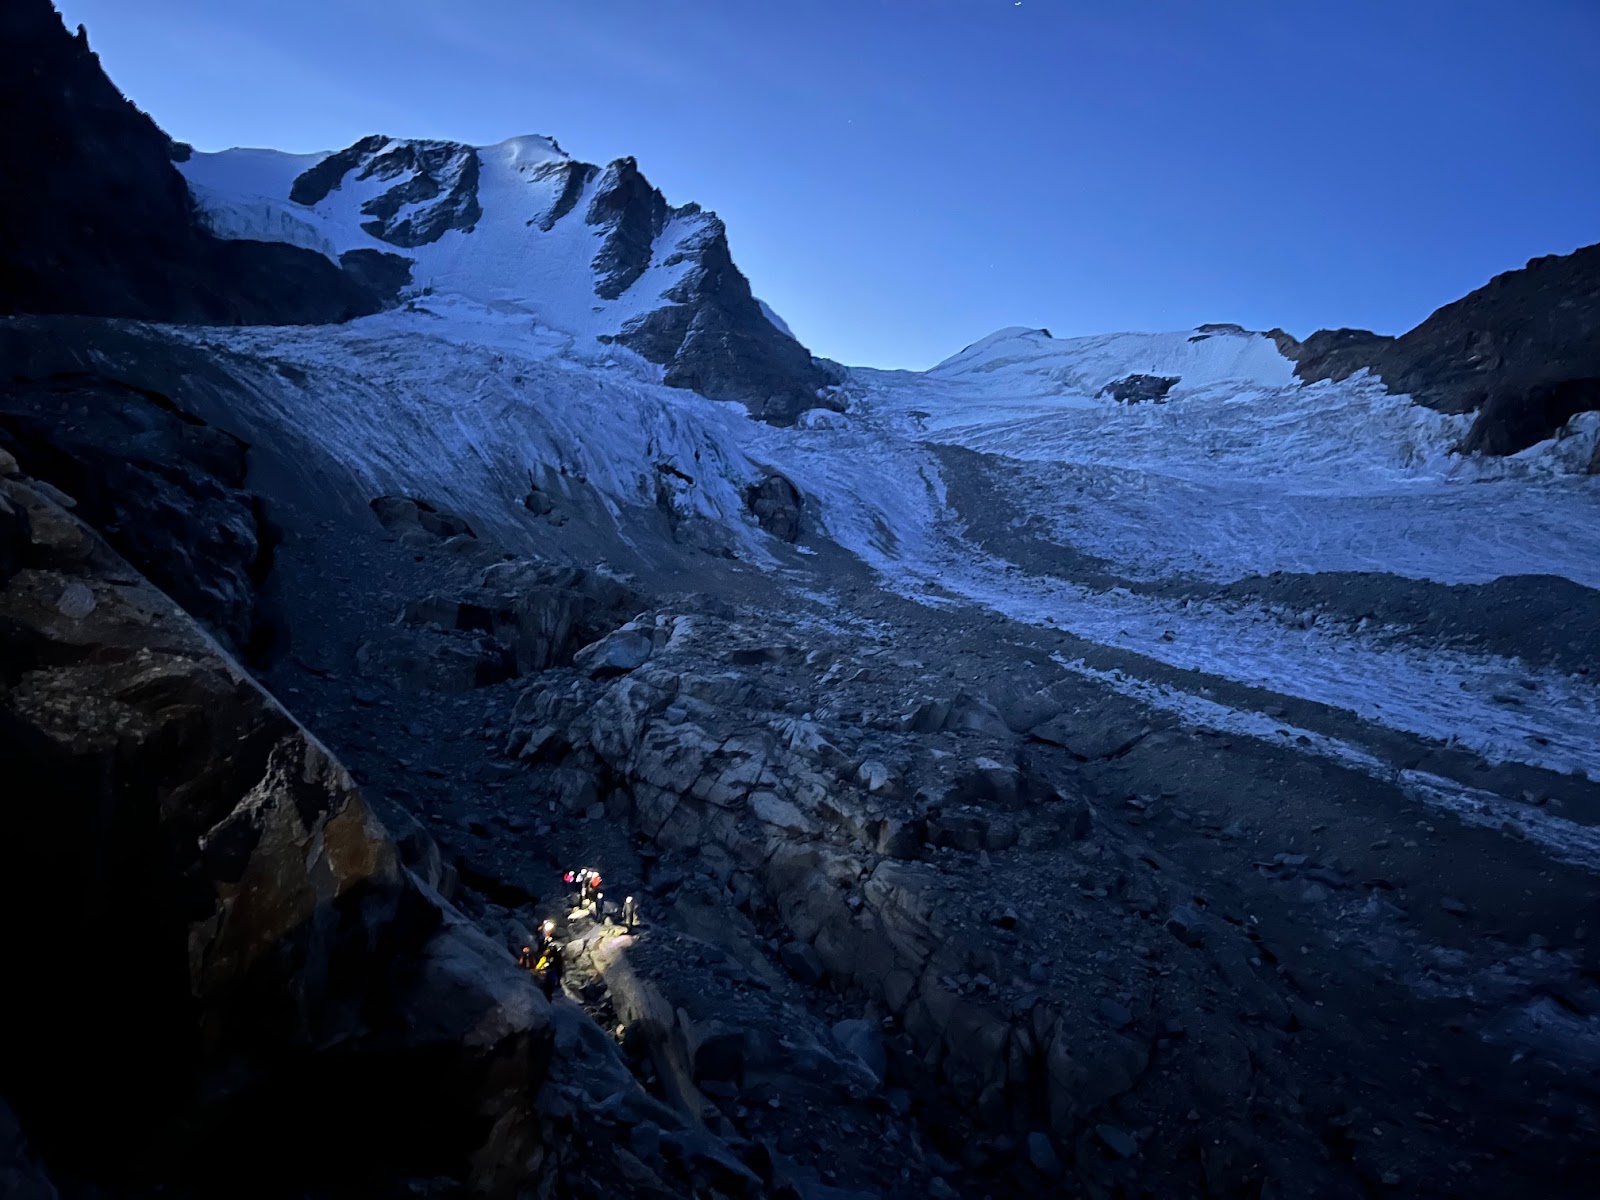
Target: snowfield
[496,377]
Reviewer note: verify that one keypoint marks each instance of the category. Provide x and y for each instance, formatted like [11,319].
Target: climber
[547,967]
[630,913]
[525,958]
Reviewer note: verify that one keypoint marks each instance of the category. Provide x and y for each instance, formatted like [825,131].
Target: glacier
[494,374]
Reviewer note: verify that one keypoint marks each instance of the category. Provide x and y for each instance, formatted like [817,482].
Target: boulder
[1090,737]
[989,781]
[416,662]
[616,654]
[863,1039]
[15,538]
[403,514]
[776,505]
[802,961]
[1042,1155]
[901,839]
[961,713]
[957,830]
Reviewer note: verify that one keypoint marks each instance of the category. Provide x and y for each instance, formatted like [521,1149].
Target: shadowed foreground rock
[217,946]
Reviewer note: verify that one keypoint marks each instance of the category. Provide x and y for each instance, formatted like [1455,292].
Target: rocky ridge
[1522,352]
[106,225]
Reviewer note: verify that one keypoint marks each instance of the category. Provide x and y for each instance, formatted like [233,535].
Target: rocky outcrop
[712,335]
[410,516]
[776,505]
[1134,389]
[714,339]
[225,948]
[437,188]
[574,177]
[632,215]
[1523,352]
[1332,353]
[907,889]
[523,617]
[106,226]
[1515,416]
[165,488]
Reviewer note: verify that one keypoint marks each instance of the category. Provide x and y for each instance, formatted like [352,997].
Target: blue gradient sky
[902,177]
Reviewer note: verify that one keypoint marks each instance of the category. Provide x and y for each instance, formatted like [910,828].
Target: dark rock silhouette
[1523,352]
[105,225]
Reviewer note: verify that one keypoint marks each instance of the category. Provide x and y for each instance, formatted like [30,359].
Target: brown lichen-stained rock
[199,870]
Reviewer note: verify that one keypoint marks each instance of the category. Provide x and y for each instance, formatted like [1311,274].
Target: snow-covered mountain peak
[521,227]
[1032,362]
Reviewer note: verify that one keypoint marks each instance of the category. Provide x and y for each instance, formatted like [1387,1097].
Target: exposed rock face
[777,505]
[383,274]
[1514,417]
[437,192]
[1537,325]
[929,895]
[633,215]
[233,952]
[315,183]
[106,226]
[1523,351]
[1332,353]
[713,337]
[1132,389]
[778,799]
[521,618]
[166,489]
[575,177]
[708,331]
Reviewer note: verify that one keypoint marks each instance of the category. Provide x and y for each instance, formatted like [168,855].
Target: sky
[900,178]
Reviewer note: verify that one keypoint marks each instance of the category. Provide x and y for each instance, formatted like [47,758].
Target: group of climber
[543,959]
[585,884]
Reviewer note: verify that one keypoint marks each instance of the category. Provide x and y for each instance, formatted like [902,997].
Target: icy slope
[1242,469]
[464,402]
